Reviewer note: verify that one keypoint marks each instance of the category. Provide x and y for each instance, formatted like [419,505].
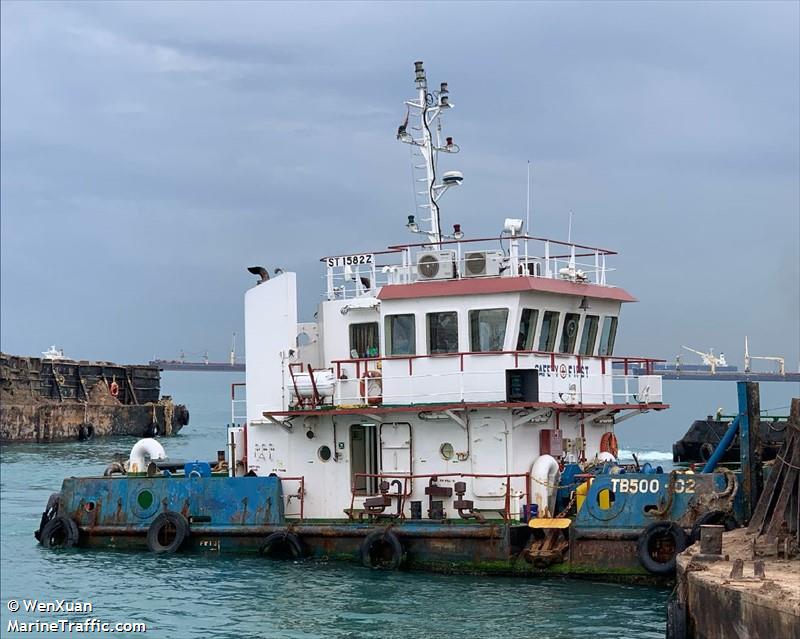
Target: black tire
[60,532]
[382,550]
[167,533]
[282,545]
[152,430]
[652,537]
[712,517]
[181,415]
[85,432]
[705,451]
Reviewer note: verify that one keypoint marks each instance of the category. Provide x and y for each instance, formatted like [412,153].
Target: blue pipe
[719,451]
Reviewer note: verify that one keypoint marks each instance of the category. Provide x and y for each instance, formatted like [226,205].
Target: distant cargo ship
[53,398]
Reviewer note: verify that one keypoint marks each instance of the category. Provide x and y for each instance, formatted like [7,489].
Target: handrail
[627,361]
[406,477]
[302,480]
[602,251]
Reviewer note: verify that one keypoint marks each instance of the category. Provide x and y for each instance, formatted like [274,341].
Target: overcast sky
[151,152]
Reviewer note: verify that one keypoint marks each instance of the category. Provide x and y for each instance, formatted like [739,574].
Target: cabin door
[364,458]
[396,450]
[488,453]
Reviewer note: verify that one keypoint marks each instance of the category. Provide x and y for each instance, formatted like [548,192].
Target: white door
[396,448]
[488,453]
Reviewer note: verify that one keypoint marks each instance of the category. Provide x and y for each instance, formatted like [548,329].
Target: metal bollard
[711,539]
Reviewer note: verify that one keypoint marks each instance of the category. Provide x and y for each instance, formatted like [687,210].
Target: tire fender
[60,532]
[385,540]
[282,545]
[167,533]
[646,538]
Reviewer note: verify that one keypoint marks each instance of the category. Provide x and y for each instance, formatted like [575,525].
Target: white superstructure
[463,359]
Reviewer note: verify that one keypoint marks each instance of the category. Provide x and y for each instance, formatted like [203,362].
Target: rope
[787,463]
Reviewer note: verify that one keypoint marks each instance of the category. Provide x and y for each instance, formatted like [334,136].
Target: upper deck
[506,263]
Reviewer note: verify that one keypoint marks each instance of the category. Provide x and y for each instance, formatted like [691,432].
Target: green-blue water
[229,596]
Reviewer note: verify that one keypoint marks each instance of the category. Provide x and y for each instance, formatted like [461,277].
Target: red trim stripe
[487,285]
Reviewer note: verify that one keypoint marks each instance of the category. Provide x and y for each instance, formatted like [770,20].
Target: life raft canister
[371,380]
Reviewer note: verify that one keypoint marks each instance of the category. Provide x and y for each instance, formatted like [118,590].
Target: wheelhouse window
[589,335]
[400,335]
[487,329]
[547,338]
[442,332]
[570,333]
[527,329]
[607,336]
[364,340]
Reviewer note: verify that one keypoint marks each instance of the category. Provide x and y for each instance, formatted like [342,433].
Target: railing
[300,495]
[361,274]
[407,477]
[237,403]
[481,377]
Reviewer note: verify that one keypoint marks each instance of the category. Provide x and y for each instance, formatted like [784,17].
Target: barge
[451,408]
[55,399]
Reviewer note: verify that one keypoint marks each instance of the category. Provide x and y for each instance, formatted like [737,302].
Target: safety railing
[459,377]
[359,274]
[406,491]
[238,403]
[300,495]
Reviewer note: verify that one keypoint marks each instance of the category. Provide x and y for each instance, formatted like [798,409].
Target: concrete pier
[720,603]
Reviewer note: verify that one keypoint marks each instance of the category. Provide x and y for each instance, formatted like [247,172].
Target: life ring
[167,533]
[60,532]
[608,444]
[649,541]
[382,550]
[371,378]
[710,518]
[282,545]
[113,388]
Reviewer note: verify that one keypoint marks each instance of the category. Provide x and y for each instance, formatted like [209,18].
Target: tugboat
[452,408]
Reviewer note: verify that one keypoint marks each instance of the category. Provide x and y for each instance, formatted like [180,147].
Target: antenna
[528,204]
[428,107]
[528,217]
[569,231]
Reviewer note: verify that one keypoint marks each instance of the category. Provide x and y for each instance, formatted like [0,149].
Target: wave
[645,455]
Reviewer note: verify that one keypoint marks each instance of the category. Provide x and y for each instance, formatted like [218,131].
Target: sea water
[193,595]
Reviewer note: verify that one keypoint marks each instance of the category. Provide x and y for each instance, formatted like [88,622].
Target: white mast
[428,108]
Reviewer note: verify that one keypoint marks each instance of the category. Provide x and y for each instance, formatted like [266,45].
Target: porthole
[324,453]
[145,499]
[446,451]
[89,506]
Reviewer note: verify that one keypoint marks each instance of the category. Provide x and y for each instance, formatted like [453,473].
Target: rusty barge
[55,399]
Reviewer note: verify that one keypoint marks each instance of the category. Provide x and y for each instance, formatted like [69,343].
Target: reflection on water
[230,596]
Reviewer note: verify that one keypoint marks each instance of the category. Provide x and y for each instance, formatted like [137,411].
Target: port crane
[709,359]
[769,358]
